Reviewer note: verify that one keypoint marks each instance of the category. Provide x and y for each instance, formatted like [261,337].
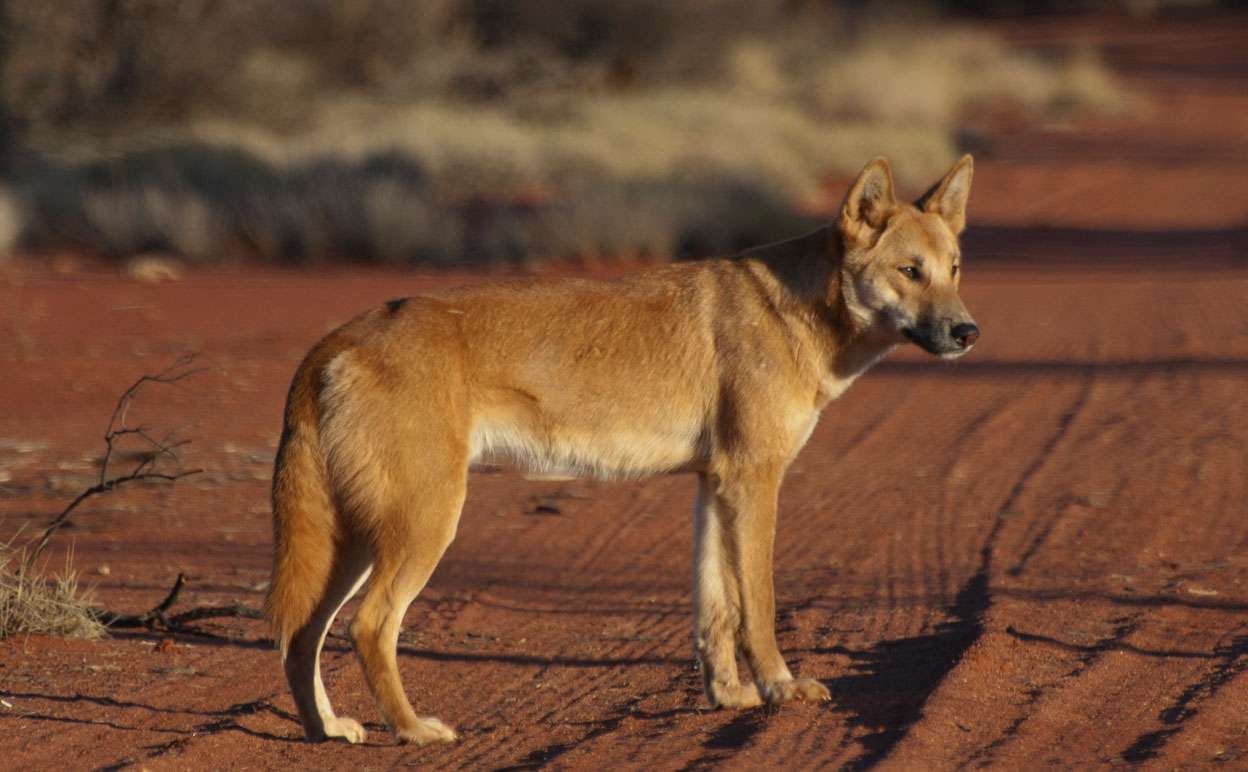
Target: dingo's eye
[954,274]
[910,271]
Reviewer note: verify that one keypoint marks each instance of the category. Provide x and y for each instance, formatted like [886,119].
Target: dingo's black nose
[965,335]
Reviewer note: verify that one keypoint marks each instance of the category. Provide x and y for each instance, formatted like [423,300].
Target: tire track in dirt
[1213,732]
[228,722]
[531,711]
[530,707]
[951,640]
[675,688]
[1090,695]
[187,726]
[1087,659]
[1095,683]
[585,687]
[1040,530]
[1102,683]
[941,648]
[1233,658]
[620,715]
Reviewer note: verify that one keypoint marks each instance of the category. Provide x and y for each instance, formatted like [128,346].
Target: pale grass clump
[401,225]
[1088,86]
[675,132]
[132,219]
[631,173]
[34,604]
[931,80]
[12,222]
[784,121]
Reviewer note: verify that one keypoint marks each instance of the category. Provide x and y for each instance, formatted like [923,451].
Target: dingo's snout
[964,334]
[945,337]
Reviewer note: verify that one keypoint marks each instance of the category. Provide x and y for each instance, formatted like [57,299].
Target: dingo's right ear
[868,205]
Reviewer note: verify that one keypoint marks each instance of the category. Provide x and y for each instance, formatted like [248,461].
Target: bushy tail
[303,529]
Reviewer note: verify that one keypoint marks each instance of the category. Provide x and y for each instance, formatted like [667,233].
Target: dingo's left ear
[947,198]
[869,204]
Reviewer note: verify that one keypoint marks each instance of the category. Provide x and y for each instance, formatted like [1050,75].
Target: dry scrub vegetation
[480,130]
[31,603]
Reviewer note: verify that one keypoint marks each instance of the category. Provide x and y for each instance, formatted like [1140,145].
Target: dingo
[718,367]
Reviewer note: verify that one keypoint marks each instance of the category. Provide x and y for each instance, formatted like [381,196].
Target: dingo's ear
[868,205]
[947,198]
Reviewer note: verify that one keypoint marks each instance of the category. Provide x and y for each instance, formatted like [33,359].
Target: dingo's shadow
[891,681]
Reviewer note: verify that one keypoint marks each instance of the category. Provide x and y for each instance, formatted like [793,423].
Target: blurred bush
[478,130]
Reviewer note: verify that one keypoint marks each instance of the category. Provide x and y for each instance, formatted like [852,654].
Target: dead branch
[214,612]
[156,619]
[148,618]
[179,370]
[146,466]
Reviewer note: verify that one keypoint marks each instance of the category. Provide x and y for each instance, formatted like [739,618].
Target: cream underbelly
[603,454]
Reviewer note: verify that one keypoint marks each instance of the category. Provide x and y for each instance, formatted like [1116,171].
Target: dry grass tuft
[32,603]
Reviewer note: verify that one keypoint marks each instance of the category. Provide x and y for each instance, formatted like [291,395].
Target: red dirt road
[1035,556]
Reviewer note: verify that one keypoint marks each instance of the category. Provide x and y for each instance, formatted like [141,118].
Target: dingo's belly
[603,452]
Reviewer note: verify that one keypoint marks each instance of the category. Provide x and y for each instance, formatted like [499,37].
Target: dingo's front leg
[745,504]
[716,609]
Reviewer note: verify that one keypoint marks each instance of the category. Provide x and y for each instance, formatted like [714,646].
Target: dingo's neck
[805,280]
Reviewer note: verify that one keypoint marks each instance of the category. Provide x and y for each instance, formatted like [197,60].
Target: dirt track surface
[1037,555]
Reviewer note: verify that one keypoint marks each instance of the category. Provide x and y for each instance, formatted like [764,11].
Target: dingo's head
[902,263]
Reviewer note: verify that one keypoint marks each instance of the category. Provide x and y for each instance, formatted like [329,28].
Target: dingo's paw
[347,728]
[790,689]
[734,695]
[425,731]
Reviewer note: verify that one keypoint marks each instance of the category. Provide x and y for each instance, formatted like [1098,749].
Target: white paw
[425,731]
[734,695]
[790,689]
[347,728]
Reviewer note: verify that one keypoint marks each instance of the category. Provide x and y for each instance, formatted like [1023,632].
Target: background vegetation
[479,130]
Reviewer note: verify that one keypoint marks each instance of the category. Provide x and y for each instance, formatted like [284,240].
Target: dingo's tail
[304,518]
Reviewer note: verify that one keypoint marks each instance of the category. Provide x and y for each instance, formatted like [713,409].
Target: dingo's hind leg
[417,530]
[303,657]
